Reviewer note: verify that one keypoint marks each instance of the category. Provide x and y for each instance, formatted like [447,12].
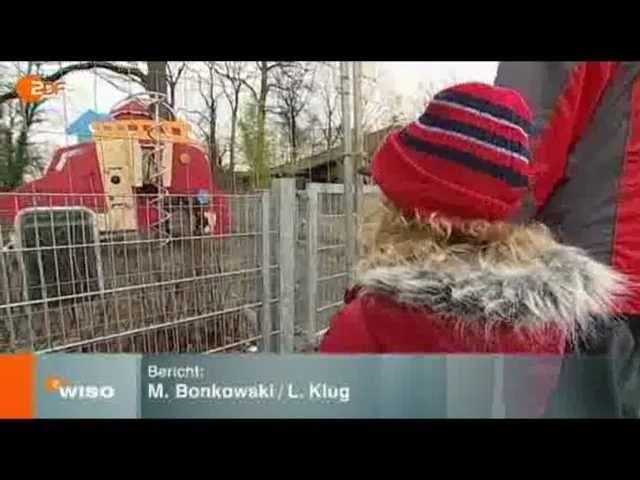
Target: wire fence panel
[332,274]
[89,274]
[301,271]
[326,265]
[275,267]
[96,273]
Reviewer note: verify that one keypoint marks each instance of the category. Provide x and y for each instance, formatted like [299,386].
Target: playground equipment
[139,172]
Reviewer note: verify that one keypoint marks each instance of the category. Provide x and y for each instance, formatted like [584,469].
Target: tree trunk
[213,152]
[217,172]
[294,140]
[172,95]
[20,160]
[157,82]
[213,148]
[232,146]
[261,181]
[8,152]
[220,177]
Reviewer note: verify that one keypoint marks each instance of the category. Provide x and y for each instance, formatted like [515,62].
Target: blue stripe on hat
[481,134]
[485,106]
[504,173]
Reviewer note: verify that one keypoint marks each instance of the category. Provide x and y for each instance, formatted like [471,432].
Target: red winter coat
[586,146]
[478,309]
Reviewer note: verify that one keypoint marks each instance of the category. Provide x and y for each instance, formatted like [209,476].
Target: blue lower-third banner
[294,386]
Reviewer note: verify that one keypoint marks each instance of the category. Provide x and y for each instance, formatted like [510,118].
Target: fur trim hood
[561,286]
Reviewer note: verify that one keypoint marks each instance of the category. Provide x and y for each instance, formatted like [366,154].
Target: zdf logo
[33,87]
[71,391]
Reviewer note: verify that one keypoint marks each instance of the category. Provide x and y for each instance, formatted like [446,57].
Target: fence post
[287,206]
[313,192]
[358,147]
[266,272]
[349,173]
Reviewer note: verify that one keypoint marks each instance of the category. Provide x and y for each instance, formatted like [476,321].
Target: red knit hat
[467,156]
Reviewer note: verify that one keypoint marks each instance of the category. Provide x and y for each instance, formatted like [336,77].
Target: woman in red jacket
[446,270]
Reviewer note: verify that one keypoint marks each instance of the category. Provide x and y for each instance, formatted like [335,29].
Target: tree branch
[251,89]
[137,74]
[174,79]
[112,82]
[232,80]
[278,65]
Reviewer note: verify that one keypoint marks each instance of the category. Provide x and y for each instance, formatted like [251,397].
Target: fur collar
[562,286]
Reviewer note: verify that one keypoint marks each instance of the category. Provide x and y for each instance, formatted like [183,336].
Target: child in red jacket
[447,272]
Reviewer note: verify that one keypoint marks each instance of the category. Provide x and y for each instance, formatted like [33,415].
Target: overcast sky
[406,76]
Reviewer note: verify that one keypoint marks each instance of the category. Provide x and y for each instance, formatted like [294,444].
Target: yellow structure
[121,164]
[143,130]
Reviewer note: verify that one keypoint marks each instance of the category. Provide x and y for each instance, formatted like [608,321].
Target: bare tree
[156,81]
[376,111]
[173,74]
[234,76]
[264,72]
[19,154]
[164,77]
[314,132]
[330,108]
[208,121]
[210,96]
[293,87]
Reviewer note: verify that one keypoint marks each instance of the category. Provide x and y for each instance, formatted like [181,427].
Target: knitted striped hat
[467,156]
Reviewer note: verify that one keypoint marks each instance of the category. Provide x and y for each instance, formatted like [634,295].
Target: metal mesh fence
[301,272]
[94,274]
[325,263]
[73,277]
[332,275]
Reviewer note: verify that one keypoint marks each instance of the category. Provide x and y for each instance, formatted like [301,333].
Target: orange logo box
[16,386]
[33,88]
[52,384]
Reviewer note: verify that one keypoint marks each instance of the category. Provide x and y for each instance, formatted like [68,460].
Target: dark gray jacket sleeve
[540,83]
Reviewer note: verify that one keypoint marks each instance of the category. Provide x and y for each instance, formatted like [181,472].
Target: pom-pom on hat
[467,156]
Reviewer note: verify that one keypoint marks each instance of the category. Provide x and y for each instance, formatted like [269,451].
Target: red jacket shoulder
[376,324]
[349,332]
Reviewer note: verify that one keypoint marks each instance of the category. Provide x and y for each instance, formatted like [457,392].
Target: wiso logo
[73,391]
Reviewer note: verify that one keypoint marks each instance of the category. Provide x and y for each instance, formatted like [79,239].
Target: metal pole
[313,212]
[358,145]
[266,271]
[287,206]
[348,170]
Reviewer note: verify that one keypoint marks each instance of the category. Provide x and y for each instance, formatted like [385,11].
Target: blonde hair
[440,242]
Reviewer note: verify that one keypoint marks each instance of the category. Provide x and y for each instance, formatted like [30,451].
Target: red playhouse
[138,172]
